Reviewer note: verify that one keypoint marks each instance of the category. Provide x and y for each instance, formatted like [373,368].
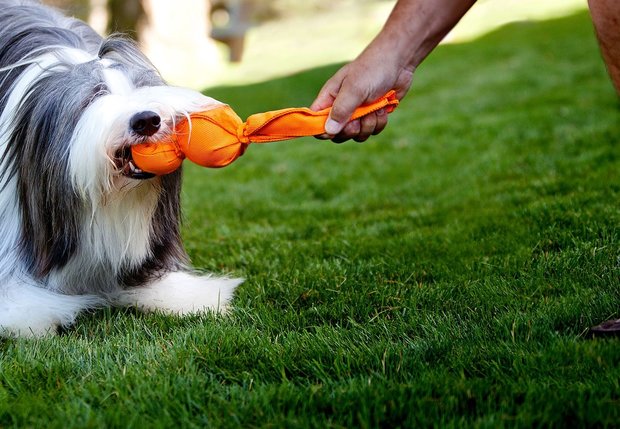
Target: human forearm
[415,27]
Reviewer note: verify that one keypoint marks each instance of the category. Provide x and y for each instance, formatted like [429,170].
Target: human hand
[362,81]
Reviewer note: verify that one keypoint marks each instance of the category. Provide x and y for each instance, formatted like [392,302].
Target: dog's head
[90,111]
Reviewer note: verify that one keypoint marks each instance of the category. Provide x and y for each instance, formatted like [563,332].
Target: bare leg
[606,19]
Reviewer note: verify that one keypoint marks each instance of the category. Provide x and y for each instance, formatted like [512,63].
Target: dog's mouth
[126,166]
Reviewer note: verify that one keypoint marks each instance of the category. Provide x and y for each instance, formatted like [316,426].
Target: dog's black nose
[145,123]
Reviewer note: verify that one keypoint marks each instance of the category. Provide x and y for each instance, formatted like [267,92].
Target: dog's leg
[181,293]
[30,311]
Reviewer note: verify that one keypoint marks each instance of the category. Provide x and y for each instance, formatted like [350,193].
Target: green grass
[442,274]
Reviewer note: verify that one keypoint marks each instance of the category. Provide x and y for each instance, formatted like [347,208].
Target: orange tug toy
[215,138]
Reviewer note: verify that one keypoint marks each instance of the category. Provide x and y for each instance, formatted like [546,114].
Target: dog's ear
[49,215]
[39,148]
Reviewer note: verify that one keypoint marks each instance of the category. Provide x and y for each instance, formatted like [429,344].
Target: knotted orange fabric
[215,138]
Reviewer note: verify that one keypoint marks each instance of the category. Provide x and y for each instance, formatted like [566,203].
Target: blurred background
[201,43]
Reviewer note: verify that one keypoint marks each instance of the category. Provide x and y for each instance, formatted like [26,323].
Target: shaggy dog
[80,225]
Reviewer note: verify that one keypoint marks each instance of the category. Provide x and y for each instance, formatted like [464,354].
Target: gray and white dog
[80,225]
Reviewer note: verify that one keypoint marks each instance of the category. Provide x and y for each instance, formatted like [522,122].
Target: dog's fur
[80,227]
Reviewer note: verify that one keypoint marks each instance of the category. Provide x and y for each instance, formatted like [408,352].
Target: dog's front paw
[182,293]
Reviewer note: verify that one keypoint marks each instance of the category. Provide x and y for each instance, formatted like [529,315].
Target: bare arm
[412,31]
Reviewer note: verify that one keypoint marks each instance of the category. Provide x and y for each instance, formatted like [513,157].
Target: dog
[81,227]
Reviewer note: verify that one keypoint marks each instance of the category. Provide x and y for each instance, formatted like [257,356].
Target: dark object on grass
[608,329]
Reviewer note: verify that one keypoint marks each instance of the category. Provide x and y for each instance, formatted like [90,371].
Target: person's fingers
[382,120]
[340,138]
[367,127]
[351,130]
[360,129]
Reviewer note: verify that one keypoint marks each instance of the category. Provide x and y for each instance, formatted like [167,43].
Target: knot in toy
[215,138]
[241,136]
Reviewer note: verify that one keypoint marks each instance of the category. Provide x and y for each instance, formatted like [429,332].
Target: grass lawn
[443,274]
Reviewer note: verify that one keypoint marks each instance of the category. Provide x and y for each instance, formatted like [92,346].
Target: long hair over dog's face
[71,199]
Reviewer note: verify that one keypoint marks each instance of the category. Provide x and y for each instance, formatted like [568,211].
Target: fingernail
[332,127]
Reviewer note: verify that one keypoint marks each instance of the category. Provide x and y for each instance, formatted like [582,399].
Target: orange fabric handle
[215,138]
[298,122]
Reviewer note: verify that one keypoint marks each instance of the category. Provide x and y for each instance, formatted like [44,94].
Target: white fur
[116,214]
[29,311]
[181,293]
[9,231]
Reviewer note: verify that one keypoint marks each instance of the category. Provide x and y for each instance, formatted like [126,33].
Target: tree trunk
[126,16]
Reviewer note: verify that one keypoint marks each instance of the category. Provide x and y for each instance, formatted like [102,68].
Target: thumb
[344,105]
